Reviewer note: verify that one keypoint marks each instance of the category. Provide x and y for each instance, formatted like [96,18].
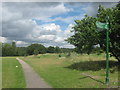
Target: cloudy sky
[47,23]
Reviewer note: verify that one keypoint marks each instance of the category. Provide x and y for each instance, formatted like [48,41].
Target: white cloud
[42,11]
[44,32]
[52,27]
[69,19]
[64,34]
[46,37]
[47,34]
[59,39]
[67,46]
[68,32]
[21,42]
[17,23]
[3,39]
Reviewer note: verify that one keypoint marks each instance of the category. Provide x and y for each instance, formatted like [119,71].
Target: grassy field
[76,71]
[12,77]
[0,72]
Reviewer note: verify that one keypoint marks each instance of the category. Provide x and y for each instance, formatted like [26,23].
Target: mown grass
[12,77]
[0,72]
[76,71]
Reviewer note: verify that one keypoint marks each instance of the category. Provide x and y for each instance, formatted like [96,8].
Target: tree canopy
[86,34]
[33,49]
[38,47]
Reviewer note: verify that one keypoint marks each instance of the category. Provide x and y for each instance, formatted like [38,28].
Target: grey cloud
[92,8]
[17,29]
[16,24]
[13,13]
[31,4]
[33,9]
[76,4]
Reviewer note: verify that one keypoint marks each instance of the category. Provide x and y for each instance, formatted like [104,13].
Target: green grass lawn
[76,71]
[12,77]
[0,72]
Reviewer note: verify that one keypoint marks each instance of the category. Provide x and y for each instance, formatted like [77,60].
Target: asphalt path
[33,80]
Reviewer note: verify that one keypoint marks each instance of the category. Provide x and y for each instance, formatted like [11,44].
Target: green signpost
[105,26]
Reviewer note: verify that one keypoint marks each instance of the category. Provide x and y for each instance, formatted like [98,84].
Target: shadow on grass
[93,65]
[92,79]
[119,75]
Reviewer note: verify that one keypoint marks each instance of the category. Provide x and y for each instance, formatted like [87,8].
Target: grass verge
[12,76]
[76,71]
[0,72]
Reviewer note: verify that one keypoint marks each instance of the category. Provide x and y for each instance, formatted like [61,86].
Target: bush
[59,55]
[68,55]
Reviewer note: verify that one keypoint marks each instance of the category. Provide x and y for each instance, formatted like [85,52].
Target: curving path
[32,79]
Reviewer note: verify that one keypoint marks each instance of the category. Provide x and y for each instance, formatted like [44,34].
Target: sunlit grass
[12,77]
[76,71]
[0,72]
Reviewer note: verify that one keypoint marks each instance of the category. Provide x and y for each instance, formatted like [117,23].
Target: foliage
[66,50]
[86,36]
[13,44]
[114,29]
[36,52]
[41,49]
[68,55]
[57,50]
[8,50]
[50,49]
[12,50]
[0,49]
[59,55]
[21,51]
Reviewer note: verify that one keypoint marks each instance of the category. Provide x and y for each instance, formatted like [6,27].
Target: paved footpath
[32,79]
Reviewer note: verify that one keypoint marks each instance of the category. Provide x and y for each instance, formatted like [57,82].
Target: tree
[86,36]
[36,52]
[14,48]
[114,29]
[66,50]
[57,50]
[50,49]
[7,50]
[0,49]
[39,47]
[13,44]
[21,51]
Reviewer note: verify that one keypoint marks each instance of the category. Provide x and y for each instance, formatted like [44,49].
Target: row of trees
[33,49]
[86,34]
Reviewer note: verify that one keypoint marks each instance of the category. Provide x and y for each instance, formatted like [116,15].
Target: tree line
[86,34]
[33,49]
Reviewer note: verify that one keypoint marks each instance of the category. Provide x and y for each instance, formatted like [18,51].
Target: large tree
[40,48]
[8,50]
[114,29]
[51,49]
[86,35]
